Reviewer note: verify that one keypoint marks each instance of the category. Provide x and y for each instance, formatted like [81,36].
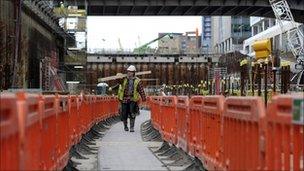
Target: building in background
[31,60]
[206,46]
[190,43]
[74,21]
[268,28]
[229,32]
[169,44]
[179,43]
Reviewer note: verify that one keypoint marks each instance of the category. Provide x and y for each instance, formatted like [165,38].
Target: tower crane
[295,37]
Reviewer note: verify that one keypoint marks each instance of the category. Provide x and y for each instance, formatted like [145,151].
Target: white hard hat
[131,68]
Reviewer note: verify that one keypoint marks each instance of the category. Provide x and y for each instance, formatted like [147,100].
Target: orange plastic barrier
[149,102]
[11,133]
[84,112]
[114,106]
[241,133]
[284,138]
[168,113]
[36,132]
[182,112]
[49,133]
[211,132]
[155,112]
[64,141]
[94,108]
[105,109]
[74,122]
[107,104]
[152,110]
[99,107]
[32,111]
[194,141]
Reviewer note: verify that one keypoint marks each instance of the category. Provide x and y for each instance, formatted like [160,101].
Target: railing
[236,133]
[37,131]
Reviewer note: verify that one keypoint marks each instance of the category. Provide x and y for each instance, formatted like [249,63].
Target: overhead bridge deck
[54,132]
[186,7]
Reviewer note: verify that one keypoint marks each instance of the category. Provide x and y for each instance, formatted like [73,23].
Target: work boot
[132,122]
[126,125]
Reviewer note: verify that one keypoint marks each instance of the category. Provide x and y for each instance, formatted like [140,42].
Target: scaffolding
[295,36]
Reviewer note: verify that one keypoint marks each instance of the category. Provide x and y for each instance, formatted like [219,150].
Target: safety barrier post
[81,112]
[211,132]
[94,108]
[98,108]
[74,119]
[168,112]
[194,140]
[32,112]
[84,112]
[152,115]
[63,139]
[11,132]
[182,112]
[243,133]
[285,133]
[155,112]
[106,107]
[49,132]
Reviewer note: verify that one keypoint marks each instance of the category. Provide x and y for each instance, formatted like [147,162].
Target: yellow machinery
[262,49]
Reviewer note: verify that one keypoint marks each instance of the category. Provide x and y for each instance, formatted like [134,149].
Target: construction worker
[129,93]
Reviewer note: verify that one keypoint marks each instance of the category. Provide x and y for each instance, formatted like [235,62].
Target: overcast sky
[104,32]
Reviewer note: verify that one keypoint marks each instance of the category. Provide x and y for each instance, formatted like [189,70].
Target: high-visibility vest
[122,87]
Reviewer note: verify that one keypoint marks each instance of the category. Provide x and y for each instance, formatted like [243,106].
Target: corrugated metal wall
[167,73]
[7,39]
[36,42]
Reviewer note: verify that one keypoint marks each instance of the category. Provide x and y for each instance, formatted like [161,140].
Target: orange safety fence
[94,109]
[11,133]
[284,136]
[155,112]
[243,133]
[49,134]
[84,113]
[168,111]
[107,102]
[74,122]
[100,111]
[152,111]
[37,131]
[62,134]
[32,108]
[159,117]
[211,132]
[236,133]
[182,112]
[194,141]
[90,118]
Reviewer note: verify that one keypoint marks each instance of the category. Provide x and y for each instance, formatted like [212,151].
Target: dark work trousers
[129,110]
